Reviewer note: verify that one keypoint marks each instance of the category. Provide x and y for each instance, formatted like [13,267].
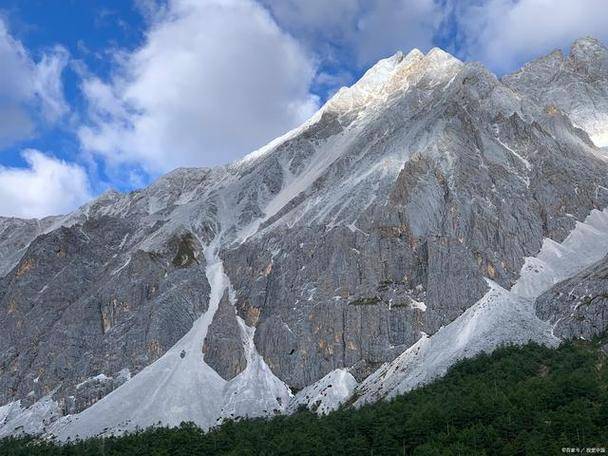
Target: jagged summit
[577,84]
[391,75]
[590,56]
[388,79]
[415,219]
[589,46]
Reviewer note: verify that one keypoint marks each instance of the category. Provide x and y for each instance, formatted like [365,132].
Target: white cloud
[48,86]
[505,33]
[393,25]
[30,92]
[368,30]
[313,18]
[214,80]
[502,34]
[46,186]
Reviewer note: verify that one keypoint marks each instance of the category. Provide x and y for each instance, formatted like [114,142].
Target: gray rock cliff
[406,201]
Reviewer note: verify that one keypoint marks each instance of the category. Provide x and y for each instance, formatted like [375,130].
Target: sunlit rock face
[354,258]
[576,84]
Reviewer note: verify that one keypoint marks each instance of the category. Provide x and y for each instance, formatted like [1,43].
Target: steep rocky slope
[346,258]
[577,84]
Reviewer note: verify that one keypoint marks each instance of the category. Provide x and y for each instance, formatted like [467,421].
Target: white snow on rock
[294,185]
[500,317]
[370,87]
[180,386]
[7,412]
[256,391]
[326,394]
[97,378]
[418,305]
[393,74]
[33,420]
[596,126]
[585,245]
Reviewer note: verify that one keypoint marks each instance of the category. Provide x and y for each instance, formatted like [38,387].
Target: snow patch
[171,390]
[33,420]
[98,378]
[125,264]
[418,305]
[326,394]
[256,391]
[500,317]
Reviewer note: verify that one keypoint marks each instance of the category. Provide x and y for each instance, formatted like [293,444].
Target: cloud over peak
[204,82]
[46,186]
[30,92]
[213,80]
[503,34]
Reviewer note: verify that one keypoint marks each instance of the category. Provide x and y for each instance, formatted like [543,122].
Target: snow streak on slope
[178,387]
[294,185]
[15,420]
[585,245]
[327,394]
[256,391]
[500,317]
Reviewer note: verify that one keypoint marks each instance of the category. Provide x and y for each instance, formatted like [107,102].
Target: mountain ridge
[317,260]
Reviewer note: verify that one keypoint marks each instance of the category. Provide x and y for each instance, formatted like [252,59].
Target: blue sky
[89,31]
[98,94]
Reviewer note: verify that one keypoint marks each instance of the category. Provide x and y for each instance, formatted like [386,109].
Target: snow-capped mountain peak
[387,230]
[392,75]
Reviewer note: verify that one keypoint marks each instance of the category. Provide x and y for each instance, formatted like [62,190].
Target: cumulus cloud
[30,92]
[348,36]
[392,25]
[214,80]
[505,33]
[367,30]
[500,33]
[311,19]
[46,186]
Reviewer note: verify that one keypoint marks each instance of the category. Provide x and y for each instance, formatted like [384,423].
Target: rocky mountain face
[427,213]
[576,84]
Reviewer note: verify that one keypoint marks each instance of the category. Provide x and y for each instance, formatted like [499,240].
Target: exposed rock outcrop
[406,206]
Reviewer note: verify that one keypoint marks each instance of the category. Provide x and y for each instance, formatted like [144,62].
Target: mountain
[428,213]
[576,84]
